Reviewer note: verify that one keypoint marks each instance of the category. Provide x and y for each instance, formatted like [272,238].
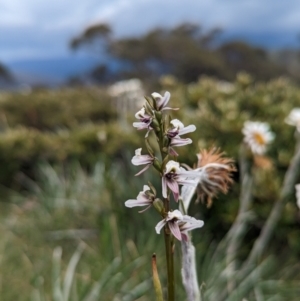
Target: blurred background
[72,76]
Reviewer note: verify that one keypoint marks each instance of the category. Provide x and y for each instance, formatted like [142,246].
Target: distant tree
[5,75]
[186,51]
[239,55]
[95,38]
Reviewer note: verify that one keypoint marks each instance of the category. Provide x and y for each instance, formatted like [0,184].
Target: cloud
[249,15]
[49,25]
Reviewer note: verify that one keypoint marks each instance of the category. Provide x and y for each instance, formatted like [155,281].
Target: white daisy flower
[294,118]
[257,136]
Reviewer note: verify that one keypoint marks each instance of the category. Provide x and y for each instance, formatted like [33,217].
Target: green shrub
[55,109]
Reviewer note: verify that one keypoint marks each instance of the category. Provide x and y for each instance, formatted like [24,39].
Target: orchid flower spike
[144,198]
[257,136]
[161,101]
[140,159]
[179,224]
[174,175]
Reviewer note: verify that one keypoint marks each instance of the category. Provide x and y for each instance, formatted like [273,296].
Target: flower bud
[165,150]
[149,148]
[148,109]
[159,205]
[166,141]
[157,164]
[158,115]
[149,102]
[155,125]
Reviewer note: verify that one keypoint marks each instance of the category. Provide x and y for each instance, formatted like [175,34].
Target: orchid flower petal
[135,203]
[188,129]
[141,160]
[159,226]
[174,228]
[177,141]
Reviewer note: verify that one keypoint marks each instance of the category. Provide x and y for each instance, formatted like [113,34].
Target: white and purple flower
[174,175]
[144,120]
[179,224]
[161,101]
[144,198]
[175,132]
[140,159]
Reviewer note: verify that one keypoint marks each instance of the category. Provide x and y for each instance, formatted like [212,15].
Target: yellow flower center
[259,138]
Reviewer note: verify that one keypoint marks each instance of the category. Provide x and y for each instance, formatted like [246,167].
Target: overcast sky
[42,29]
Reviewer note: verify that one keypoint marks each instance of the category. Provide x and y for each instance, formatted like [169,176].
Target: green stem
[168,237]
[170,265]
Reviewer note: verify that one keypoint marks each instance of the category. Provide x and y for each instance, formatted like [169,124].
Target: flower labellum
[174,175]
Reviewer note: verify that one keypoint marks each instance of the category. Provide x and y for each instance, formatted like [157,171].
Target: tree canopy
[186,51]
[5,74]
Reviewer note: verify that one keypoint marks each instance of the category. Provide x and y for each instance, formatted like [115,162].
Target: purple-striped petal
[174,228]
[173,185]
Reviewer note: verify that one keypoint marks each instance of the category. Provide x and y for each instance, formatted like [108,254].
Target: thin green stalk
[170,265]
[168,244]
